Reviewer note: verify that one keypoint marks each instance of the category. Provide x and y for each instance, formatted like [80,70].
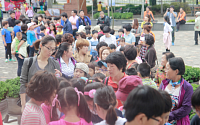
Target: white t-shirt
[120,121]
[108,40]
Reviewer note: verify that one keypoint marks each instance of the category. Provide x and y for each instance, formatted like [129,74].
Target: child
[30,13]
[167,38]
[81,70]
[7,40]
[78,83]
[120,35]
[112,48]
[93,43]
[17,41]
[97,68]
[48,18]
[60,31]
[121,43]
[138,59]
[88,35]
[122,49]
[112,32]
[168,106]
[98,77]
[105,102]
[196,104]
[74,106]
[91,66]
[52,32]
[57,21]
[144,71]
[131,71]
[103,68]
[42,32]
[58,40]
[101,28]
[17,27]
[40,19]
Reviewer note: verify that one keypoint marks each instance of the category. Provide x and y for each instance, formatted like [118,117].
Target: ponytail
[62,47]
[167,20]
[36,44]
[111,116]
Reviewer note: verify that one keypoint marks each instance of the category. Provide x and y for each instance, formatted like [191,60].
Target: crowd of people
[78,76]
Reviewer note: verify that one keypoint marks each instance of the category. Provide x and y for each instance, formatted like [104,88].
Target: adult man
[83,20]
[1,17]
[11,20]
[181,19]
[197,27]
[67,27]
[148,12]
[73,20]
[103,19]
[172,15]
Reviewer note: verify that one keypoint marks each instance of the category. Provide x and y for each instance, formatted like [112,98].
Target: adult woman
[180,90]
[17,14]
[130,53]
[104,52]
[36,63]
[150,56]
[147,19]
[160,73]
[83,55]
[67,37]
[137,30]
[23,11]
[41,88]
[65,59]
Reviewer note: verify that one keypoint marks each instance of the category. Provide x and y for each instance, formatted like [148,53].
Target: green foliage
[40,12]
[14,87]
[89,8]
[117,15]
[192,74]
[3,90]
[191,20]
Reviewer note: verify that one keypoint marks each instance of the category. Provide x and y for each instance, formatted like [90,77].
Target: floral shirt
[148,81]
[160,76]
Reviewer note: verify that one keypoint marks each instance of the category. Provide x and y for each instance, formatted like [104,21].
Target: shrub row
[117,15]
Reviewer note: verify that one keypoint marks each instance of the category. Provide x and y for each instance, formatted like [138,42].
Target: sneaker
[172,44]
[12,60]
[6,60]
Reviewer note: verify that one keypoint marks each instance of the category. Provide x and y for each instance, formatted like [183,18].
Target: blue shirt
[17,29]
[93,44]
[37,31]
[7,34]
[80,22]
[67,28]
[130,38]
[62,22]
[172,18]
[31,37]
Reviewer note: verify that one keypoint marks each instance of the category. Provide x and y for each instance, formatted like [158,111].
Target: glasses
[53,50]
[103,70]
[155,119]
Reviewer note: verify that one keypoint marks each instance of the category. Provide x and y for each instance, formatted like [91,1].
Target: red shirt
[101,32]
[1,123]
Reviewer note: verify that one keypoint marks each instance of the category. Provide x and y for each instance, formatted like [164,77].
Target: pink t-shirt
[33,115]
[63,122]
[47,110]
[73,20]
[17,15]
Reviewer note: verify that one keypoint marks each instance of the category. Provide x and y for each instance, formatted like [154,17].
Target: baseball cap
[101,63]
[83,67]
[30,24]
[126,85]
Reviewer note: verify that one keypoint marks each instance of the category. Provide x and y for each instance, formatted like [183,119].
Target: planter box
[4,108]
[13,108]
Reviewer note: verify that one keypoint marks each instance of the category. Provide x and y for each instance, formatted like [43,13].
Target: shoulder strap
[30,63]
[105,81]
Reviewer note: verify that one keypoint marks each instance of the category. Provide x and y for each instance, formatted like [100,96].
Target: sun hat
[83,67]
[30,24]
[126,85]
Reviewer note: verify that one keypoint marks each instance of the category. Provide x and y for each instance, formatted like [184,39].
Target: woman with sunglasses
[47,47]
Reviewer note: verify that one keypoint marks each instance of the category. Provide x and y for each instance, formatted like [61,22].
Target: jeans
[1,23]
[8,51]
[173,34]
[41,7]
[196,36]
[20,64]
[31,51]
[180,22]
[45,8]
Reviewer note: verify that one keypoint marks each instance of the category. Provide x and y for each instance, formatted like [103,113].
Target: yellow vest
[99,7]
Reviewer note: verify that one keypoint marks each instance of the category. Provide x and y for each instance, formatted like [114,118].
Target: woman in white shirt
[167,38]
[105,102]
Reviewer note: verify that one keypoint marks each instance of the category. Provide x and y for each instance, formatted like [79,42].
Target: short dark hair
[88,32]
[99,36]
[99,45]
[112,31]
[11,12]
[106,29]
[94,31]
[149,39]
[24,20]
[118,59]
[17,22]
[42,85]
[63,84]
[24,27]
[168,55]
[122,48]
[177,63]
[130,52]
[102,26]
[4,23]
[42,28]
[60,26]
[58,39]
[112,46]
[195,98]
[98,75]
[144,69]
[78,83]
[80,11]
[127,27]
[143,99]
[40,16]
[167,100]
[48,17]
[172,6]
[121,30]
[87,28]
[75,11]
[131,71]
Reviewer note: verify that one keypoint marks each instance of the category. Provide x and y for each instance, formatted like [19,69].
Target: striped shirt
[33,115]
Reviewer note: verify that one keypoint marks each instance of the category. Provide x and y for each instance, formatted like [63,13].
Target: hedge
[117,15]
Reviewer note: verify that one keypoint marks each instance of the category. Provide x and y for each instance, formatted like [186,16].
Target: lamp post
[142,12]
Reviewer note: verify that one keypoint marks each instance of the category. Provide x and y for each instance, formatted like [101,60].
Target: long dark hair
[106,99]
[62,47]
[167,19]
[53,29]
[68,97]
[136,24]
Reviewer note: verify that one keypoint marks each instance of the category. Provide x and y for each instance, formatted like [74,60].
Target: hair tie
[91,93]
[54,103]
[78,93]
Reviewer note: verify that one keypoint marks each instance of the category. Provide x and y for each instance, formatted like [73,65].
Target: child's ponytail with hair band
[111,116]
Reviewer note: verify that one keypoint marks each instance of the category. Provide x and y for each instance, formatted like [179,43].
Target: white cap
[197,14]
[30,24]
